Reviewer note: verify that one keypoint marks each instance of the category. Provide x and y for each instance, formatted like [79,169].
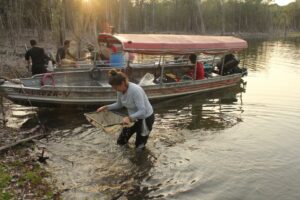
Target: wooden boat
[90,87]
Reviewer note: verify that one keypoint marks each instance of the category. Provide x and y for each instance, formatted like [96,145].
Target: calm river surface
[239,143]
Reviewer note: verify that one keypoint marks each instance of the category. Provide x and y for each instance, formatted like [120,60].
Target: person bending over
[140,111]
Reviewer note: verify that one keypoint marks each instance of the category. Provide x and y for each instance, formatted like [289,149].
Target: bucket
[116,60]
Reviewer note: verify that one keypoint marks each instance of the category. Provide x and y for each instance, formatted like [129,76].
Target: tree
[201,16]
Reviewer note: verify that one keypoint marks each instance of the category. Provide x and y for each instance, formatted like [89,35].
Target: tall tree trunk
[1,24]
[240,16]
[106,11]
[10,24]
[222,16]
[145,22]
[125,15]
[176,11]
[153,15]
[285,26]
[95,30]
[120,24]
[142,15]
[201,17]
[20,13]
[62,28]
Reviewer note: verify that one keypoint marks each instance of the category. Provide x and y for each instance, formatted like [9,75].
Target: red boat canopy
[173,44]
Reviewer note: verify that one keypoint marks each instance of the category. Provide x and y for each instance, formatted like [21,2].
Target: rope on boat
[47,76]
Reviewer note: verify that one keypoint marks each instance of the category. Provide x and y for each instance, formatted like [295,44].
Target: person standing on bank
[38,58]
[140,111]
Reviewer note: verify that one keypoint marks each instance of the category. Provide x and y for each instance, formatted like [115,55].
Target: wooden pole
[2,111]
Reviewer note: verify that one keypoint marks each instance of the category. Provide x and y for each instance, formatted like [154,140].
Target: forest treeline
[81,17]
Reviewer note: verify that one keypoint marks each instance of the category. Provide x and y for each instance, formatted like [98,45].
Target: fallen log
[21,141]
[31,131]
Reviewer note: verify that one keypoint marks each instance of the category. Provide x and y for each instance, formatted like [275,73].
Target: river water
[238,143]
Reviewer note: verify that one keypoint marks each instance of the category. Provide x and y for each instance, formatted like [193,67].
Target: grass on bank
[21,175]
[5,179]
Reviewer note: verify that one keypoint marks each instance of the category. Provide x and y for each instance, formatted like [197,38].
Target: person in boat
[38,58]
[199,68]
[90,53]
[140,111]
[63,55]
[228,64]
[106,49]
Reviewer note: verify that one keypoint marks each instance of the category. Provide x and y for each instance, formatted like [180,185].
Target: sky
[283,2]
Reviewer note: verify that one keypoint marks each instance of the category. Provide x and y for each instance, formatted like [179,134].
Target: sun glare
[283,2]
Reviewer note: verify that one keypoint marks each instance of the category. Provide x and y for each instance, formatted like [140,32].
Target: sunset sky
[283,2]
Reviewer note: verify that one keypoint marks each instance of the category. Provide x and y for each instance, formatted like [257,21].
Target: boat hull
[90,96]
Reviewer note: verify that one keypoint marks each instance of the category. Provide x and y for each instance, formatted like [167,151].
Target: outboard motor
[230,65]
[1,81]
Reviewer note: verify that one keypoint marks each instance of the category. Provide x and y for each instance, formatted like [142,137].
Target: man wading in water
[140,111]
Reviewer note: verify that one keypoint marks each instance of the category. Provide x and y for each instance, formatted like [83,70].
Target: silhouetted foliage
[150,16]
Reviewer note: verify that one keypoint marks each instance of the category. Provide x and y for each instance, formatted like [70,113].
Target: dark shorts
[39,69]
[136,128]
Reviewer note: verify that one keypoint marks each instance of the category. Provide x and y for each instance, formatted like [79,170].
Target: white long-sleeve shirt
[135,100]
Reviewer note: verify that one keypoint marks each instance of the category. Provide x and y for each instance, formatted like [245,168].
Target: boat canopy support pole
[244,56]
[214,59]
[161,71]
[195,68]
[223,61]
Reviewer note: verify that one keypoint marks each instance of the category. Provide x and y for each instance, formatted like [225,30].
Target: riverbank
[22,177]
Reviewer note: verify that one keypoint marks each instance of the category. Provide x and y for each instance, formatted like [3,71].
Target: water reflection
[261,51]
[209,111]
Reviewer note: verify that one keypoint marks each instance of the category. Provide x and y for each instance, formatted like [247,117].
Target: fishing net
[107,121]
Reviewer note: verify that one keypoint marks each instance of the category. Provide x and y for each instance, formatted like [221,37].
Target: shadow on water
[87,163]
[208,111]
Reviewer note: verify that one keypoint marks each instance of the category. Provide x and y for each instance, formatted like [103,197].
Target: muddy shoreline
[22,176]
[22,171]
